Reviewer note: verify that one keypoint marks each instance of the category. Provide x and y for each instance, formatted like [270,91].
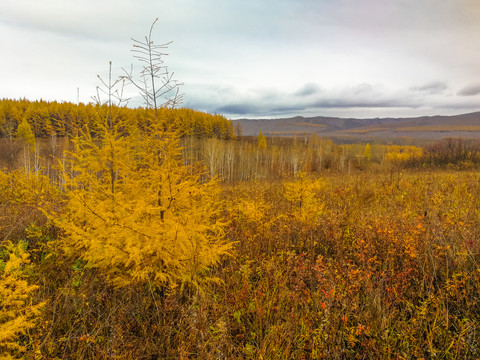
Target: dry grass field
[136,244]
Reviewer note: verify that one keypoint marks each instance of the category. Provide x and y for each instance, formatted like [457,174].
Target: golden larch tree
[134,210]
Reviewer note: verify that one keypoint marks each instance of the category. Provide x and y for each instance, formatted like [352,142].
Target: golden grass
[365,130]
[306,124]
[289,133]
[439,128]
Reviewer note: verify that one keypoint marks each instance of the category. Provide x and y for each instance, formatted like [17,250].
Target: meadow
[132,241]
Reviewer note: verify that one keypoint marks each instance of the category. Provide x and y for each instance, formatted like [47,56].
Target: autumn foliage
[134,210]
[135,240]
[48,119]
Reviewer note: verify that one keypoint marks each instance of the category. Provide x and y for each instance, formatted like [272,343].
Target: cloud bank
[434,98]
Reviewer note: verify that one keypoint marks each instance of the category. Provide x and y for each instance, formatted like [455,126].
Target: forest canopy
[61,118]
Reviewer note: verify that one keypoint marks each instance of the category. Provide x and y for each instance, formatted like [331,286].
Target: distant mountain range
[425,127]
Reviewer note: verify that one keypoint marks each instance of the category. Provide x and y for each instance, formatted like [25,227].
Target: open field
[325,267]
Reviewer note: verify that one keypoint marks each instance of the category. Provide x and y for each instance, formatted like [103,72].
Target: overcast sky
[255,58]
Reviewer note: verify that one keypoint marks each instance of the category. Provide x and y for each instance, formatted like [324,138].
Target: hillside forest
[142,234]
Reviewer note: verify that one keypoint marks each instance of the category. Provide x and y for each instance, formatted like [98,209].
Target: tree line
[63,118]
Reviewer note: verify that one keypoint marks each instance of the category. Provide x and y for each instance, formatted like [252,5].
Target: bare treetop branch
[157,86]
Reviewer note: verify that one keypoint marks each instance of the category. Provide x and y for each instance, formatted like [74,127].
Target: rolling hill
[425,127]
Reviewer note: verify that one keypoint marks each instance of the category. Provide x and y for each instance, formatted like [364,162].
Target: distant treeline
[60,119]
[453,151]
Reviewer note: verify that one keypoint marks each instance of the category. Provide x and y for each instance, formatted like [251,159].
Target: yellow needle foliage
[262,141]
[135,211]
[304,195]
[25,133]
[17,314]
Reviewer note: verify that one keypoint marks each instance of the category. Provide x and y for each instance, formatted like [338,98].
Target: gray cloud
[347,102]
[243,109]
[433,87]
[362,89]
[307,89]
[309,98]
[470,90]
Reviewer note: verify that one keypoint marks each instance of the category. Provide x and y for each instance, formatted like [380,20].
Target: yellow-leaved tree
[304,194]
[134,210]
[26,136]
[261,140]
[17,314]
